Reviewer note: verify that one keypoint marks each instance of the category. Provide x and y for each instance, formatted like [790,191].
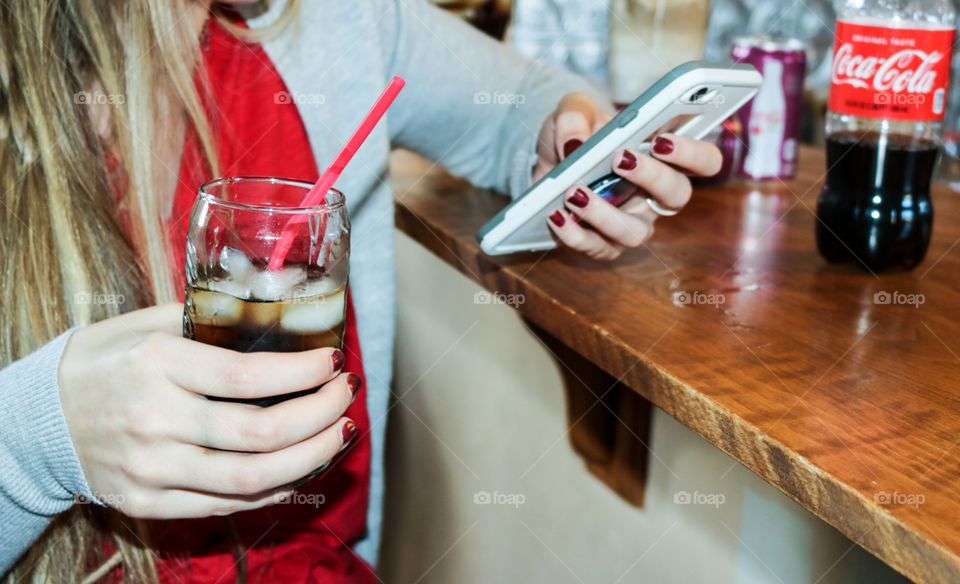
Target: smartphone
[689,101]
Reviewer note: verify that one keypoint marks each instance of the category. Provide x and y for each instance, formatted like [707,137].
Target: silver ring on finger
[661,211]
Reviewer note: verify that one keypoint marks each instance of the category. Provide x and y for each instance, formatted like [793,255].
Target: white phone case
[689,101]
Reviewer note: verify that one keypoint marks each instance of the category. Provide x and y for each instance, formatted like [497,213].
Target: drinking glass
[234,301]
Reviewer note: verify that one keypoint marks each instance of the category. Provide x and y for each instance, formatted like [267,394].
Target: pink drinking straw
[318,194]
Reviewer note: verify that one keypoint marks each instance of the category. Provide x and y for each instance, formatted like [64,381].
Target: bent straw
[317,195]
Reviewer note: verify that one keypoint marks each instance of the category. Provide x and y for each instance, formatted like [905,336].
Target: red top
[258,131]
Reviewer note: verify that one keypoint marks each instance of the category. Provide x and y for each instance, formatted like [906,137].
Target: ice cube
[319,287]
[320,314]
[261,315]
[277,284]
[215,308]
[238,289]
[236,264]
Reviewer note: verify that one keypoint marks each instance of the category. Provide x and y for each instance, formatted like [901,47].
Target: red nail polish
[570,146]
[628,162]
[348,432]
[579,199]
[338,359]
[557,218]
[663,146]
[353,383]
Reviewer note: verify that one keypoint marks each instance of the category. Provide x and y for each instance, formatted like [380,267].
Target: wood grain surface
[836,385]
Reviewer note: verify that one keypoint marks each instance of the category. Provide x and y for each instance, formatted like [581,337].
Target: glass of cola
[233,300]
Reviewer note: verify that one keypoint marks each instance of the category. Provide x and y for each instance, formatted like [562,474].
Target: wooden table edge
[839,505]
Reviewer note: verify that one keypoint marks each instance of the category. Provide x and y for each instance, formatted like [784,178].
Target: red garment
[259,132]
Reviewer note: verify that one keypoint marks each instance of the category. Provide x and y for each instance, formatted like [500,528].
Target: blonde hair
[60,238]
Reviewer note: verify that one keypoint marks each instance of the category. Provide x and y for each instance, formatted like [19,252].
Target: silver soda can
[771,121]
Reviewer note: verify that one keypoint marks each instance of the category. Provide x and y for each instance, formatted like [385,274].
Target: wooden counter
[835,385]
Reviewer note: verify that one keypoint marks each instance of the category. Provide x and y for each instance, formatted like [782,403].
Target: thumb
[577,117]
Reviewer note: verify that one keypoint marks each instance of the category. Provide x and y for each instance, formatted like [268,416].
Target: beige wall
[480,409]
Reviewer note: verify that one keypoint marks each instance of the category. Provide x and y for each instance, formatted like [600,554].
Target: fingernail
[338,359]
[663,146]
[353,383]
[557,218]
[570,146]
[322,468]
[347,432]
[628,162]
[579,199]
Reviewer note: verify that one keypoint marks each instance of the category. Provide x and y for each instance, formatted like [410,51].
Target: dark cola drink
[888,93]
[875,208]
[306,313]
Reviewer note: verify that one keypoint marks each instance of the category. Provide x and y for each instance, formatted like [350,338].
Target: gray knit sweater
[470,104]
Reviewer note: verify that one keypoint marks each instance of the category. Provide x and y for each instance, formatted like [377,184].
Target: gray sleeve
[40,473]
[470,103]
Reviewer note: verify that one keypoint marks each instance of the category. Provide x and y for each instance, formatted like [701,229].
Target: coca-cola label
[891,73]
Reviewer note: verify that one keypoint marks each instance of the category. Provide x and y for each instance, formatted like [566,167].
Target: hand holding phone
[688,102]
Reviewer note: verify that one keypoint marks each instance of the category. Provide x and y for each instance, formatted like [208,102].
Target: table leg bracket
[609,423]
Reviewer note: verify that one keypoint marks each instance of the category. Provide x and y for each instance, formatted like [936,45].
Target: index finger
[209,370]
[165,318]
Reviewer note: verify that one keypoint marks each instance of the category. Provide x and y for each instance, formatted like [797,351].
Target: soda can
[771,121]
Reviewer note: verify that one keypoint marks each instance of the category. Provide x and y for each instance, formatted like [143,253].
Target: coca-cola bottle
[891,68]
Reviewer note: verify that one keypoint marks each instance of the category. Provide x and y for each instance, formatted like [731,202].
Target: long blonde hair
[61,243]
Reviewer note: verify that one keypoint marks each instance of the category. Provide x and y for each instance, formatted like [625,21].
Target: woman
[113,114]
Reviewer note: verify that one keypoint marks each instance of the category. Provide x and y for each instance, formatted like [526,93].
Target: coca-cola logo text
[889,72]
[909,70]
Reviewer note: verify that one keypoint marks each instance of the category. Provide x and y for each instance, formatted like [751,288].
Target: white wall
[480,408]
